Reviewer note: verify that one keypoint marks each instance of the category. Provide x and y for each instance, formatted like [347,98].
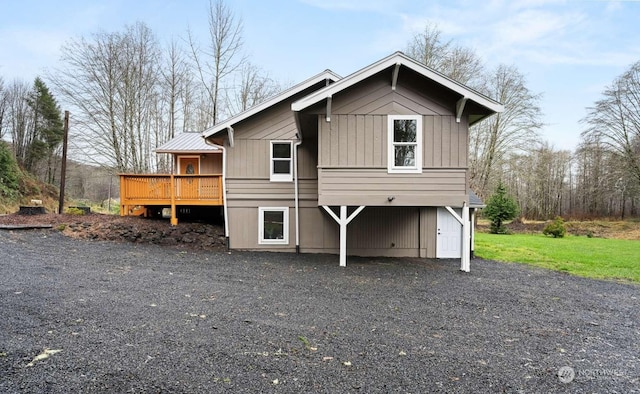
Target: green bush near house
[555,228]
[74,211]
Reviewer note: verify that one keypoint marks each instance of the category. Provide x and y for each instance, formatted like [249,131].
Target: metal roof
[189,142]
[475,201]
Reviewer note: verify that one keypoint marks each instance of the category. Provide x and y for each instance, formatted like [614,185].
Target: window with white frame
[281,161]
[273,225]
[404,144]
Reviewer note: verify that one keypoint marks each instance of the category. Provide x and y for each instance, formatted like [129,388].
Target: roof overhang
[221,127]
[187,143]
[398,60]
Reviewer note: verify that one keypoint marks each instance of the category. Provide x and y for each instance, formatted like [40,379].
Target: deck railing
[169,189]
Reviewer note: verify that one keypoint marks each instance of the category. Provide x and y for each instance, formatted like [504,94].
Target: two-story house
[372,164]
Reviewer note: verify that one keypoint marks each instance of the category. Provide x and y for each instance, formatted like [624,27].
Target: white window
[281,161]
[273,226]
[405,144]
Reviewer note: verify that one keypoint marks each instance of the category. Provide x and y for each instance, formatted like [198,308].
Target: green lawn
[588,257]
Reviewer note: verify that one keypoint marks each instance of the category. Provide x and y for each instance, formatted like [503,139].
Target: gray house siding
[377,231]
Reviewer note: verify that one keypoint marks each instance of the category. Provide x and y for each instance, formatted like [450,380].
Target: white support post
[465,264]
[343,236]
[473,230]
[343,221]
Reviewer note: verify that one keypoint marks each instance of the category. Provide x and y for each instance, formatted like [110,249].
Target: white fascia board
[390,61]
[221,127]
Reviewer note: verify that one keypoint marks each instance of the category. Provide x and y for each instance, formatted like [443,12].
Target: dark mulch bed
[133,317]
[128,228]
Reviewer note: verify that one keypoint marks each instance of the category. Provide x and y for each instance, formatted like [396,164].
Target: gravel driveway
[142,318]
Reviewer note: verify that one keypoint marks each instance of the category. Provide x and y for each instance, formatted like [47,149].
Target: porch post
[466,239]
[174,217]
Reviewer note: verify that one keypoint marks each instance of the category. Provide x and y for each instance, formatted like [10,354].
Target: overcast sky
[568,50]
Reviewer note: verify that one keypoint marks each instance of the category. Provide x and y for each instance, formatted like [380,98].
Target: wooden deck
[139,191]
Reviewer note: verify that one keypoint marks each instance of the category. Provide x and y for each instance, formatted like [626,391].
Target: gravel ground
[128,317]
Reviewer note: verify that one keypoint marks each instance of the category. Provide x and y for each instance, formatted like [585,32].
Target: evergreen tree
[500,208]
[48,129]
[9,172]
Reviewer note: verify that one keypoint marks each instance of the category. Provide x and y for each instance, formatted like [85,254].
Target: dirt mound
[131,229]
[619,229]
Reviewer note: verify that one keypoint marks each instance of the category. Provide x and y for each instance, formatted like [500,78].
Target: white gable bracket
[394,79]
[230,134]
[460,108]
[329,100]
[343,221]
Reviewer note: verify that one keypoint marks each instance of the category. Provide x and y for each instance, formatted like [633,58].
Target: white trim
[390,61]
[285,226]
[326,75]
[273,177]
[224,188]
[296,192]
[465,258]
[343,221]
[391,144]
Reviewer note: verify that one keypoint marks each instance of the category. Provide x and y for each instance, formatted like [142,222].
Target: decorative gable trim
[396,60]
[327,75]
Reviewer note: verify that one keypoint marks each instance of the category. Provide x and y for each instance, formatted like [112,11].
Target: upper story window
[281,161]
[404,144]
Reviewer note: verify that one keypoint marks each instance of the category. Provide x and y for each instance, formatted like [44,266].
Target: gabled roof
[397,58]
[323,76]
[188,142]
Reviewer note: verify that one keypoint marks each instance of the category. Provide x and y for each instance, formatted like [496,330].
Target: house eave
[222,127]
[396,60]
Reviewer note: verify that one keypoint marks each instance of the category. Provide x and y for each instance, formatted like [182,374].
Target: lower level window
[273,226]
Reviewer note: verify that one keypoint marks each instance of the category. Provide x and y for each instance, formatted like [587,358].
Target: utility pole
[63,166]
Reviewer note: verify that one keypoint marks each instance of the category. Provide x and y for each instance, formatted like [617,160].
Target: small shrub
[555,228]
[500,208]
[74,211]
[62,227]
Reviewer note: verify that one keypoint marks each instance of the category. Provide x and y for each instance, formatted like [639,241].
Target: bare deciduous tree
[111,81]
[20,119]
[457,62]
[253,87]
[221,57]
[515,129]
[4,103]
[615,120]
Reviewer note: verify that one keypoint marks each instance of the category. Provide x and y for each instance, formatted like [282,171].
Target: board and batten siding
[211,164]
[374,186]
[249,159]
[376,231]
[361,141]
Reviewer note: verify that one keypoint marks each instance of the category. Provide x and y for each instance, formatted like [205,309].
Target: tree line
[128,94]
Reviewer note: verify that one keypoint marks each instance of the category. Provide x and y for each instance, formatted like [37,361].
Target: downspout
[295,179]
[224,190]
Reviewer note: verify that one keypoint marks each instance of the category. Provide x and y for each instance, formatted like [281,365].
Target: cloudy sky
[568,50]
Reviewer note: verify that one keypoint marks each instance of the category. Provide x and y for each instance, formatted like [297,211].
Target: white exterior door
[449,235]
